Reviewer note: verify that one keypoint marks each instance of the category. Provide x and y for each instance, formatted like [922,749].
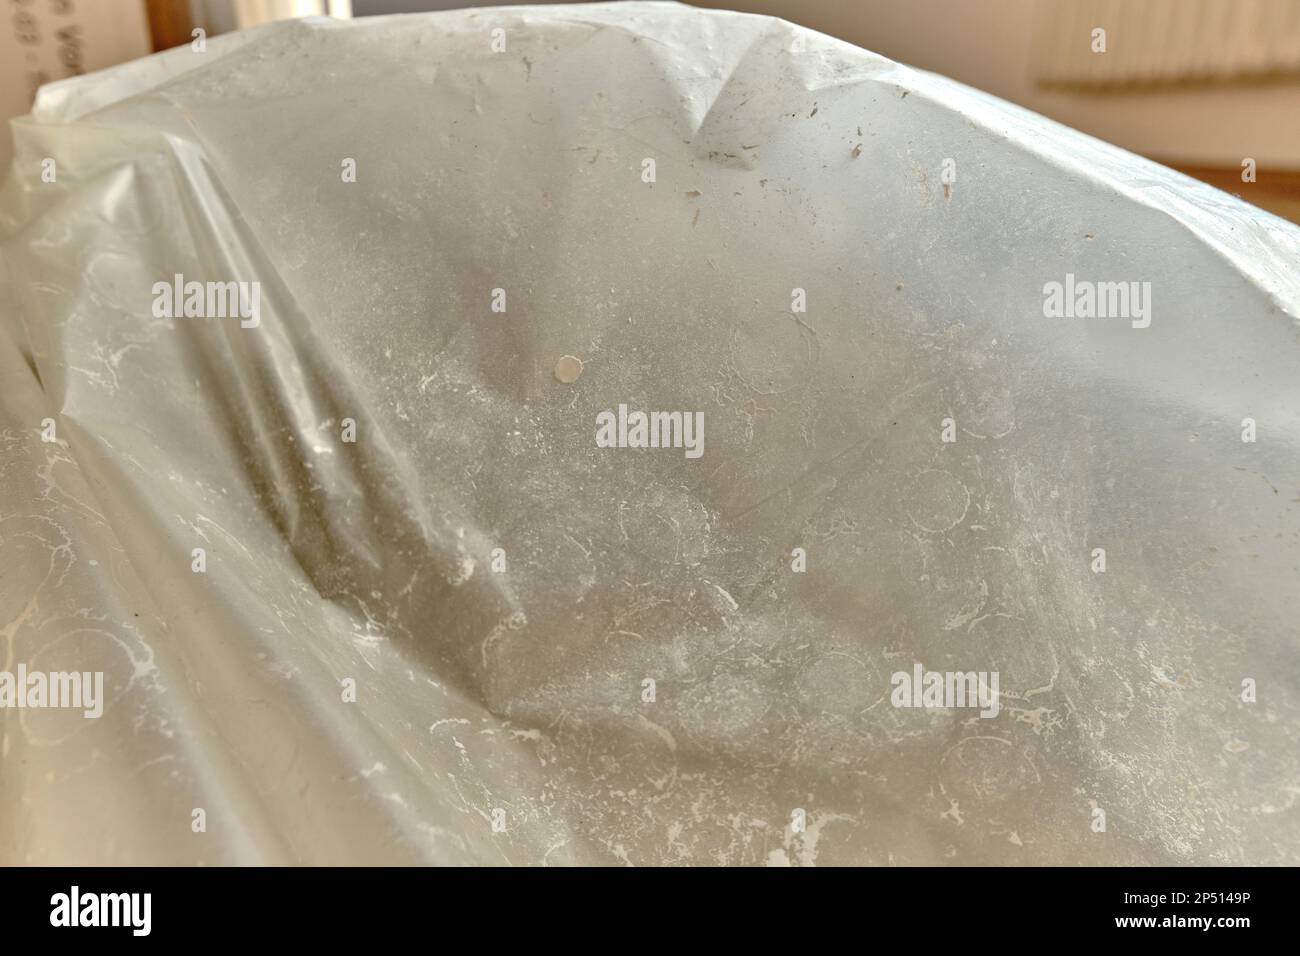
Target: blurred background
[1200,85]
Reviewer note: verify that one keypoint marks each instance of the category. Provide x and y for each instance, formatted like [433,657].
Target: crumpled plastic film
[465,633]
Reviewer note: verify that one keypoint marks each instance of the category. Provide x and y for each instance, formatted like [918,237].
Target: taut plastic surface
[501,710]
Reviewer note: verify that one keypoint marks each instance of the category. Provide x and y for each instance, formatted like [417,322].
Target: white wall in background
[990,44]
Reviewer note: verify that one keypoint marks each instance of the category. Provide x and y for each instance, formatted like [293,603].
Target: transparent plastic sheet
[501,709]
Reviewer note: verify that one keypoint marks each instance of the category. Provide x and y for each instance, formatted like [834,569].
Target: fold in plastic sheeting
[471,635]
